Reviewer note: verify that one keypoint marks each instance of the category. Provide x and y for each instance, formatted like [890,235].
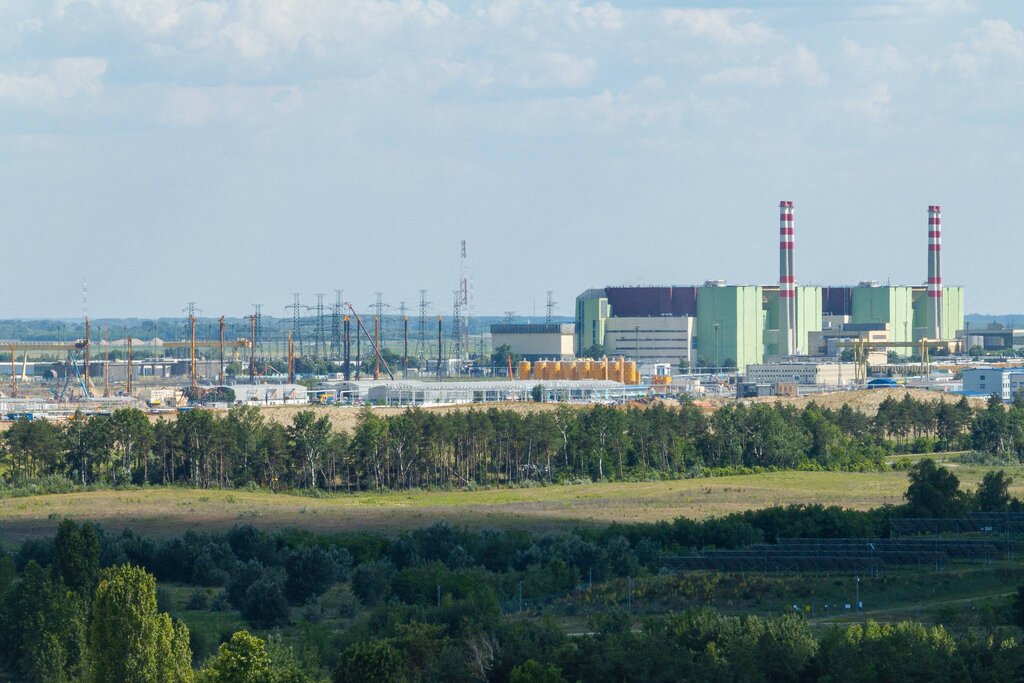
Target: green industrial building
[730,325]
[738,326]
[952,312]
[808,318]
[592,310]
[892,306]
[904,310]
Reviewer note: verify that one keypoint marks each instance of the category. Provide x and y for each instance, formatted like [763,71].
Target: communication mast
[460,310]
[296,308]
[257,331]
[320,335]
[421,329]
[336,314]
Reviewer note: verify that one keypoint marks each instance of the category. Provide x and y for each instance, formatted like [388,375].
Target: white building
[664,339]
[269,394]
[817,374]
[1005,382]
[417,393]
[535,341]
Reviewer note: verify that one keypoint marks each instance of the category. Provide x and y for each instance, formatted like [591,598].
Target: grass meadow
[166,511]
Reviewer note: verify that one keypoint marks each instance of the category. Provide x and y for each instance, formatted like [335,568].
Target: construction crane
[26,346]
[192,344]
[861,360]
[374,343]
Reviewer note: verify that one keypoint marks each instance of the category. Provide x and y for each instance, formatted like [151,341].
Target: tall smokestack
[934,330]
[787,302]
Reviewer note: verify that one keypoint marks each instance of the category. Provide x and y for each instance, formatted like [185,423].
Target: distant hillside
[979,321]
[207,328]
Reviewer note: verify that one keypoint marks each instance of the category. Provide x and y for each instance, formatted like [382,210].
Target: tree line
[427,605]
[493,446]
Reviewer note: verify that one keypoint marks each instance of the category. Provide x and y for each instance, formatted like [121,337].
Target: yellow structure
[618,370]
[524,369]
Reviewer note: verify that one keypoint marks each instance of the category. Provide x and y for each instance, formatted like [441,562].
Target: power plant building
[651,338]
[891,306]
[592,310]
[730,325]
[535,341]
[803,373]
[806,315]
[739,326]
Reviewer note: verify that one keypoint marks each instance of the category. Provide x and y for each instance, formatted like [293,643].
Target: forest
[489,447]
[447,604]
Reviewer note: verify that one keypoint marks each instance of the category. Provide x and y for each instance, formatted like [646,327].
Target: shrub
[371,581]
[311,570]
[199,600]
[264,604]
[348,605]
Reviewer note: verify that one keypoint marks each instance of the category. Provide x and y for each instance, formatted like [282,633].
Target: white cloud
[872,103]
[867,58]
[535,16]
[994,43]
[798,65]
[193,106]
[998,37]
[56,80]
[722,26]
[914,10]
[556,69]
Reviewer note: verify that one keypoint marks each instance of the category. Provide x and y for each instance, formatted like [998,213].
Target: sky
[232,153]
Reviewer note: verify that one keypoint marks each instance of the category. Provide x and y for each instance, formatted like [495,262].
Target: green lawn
[168,511]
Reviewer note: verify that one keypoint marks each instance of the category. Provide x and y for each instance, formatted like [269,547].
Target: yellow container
[554,370]
[632,375]
[620,366]
[524,369]
[540,369]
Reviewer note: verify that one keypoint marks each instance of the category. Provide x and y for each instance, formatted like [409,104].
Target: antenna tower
[456,338]
[378,310]
[421,328]
[296,307]
[551,307]
[336,326]
[257,315]
[320,338]
[460,312]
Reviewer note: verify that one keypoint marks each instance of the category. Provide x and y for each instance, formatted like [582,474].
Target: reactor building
[723,325]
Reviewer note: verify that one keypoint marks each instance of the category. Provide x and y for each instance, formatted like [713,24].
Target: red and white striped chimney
[934,330]
[787,284]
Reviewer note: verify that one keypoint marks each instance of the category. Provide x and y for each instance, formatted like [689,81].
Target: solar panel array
[841,554]
[978,523]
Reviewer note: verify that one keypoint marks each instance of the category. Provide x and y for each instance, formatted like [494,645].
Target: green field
[168,511]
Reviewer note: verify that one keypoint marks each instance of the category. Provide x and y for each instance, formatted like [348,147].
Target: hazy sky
[234,152]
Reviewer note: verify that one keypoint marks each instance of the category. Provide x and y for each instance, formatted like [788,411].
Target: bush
[311,571]
[199,600]
[532,671]
[163,600]
[264,604]
[245,575]
[371,581]
[220,602]
[249,543]
[348,605]
[370,660]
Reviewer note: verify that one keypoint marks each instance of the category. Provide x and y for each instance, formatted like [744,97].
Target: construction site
[623,344]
